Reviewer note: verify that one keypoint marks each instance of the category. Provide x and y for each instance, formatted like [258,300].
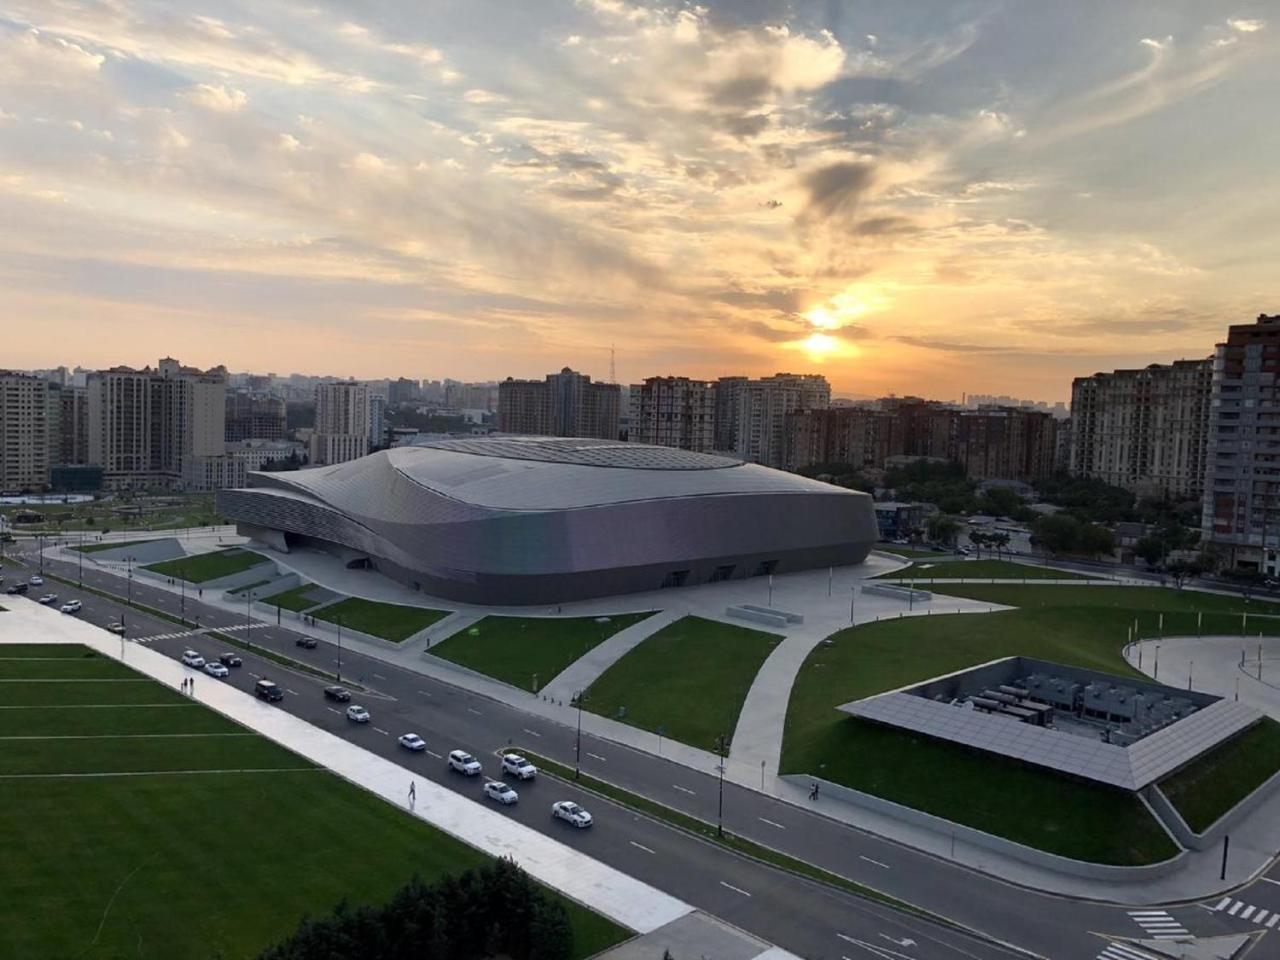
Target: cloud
[1246,26]
[837,187]
[217,98]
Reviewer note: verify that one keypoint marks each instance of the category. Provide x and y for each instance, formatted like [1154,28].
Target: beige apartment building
[564,404]
[342,423]
[674,412]
[24,433]
[762,412]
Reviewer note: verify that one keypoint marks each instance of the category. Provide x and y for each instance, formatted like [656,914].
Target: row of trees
[492,911]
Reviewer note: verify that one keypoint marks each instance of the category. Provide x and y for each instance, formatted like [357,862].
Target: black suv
[266,689]
[230,660]
[17,588]
[308,642]
[340,694]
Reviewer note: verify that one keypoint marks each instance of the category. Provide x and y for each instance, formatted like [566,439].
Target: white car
[48,598]
[497,790]
[192,659]
[71,606]
[357,713]
[463,762]
[37,581]
[115,626]
[411,741]
[518,767]
[215,669]
[568,810]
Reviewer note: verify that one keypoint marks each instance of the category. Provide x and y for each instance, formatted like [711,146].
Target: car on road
[17,588]
[570,811]
[36,581]
[308,643]
[497,790]
[192,659]
[71,606]
[266,689]
[337,694]
[411,741]
[116,627]
[518,766]
[463,762]
[215,669]
[230,660]
[48,598]
[357,713]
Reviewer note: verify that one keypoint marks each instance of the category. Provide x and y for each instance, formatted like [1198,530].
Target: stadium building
[530,520]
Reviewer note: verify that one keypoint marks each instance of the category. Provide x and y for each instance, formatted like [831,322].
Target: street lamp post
[721,744]
[80,560]
[248,608]
[339,622]
[577,745]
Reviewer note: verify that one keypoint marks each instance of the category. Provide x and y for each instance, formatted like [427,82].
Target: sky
[917,197]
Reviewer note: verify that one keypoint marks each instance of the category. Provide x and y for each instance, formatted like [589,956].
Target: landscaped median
[688,681]
[140,823]
[528,652]
[390,621]
[1074,625]
[203,567]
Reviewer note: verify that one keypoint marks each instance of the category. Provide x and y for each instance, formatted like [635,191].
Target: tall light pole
[80,559]
[722,743]
[248,606]
[339,622]
[577,745]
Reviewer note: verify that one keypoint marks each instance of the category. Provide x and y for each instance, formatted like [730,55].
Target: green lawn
[690,678]
[911,553]
[982,570]
[108,694]
[108,545]
[391,621]
[517,649]
[171,511]
[198,865]
[1085,626]
[204,567]
[238,591]
[294,599]
[1217,781]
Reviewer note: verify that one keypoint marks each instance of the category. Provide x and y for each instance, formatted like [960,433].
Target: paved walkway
[587,669]
[627,901]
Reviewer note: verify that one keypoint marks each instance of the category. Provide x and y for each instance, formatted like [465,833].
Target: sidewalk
[604,889]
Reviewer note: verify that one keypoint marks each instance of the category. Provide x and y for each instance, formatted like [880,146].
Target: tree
[999,541]
[1150,549]
[1246,581]
[942,528]
[1095,539]
[978,539]
[1180,571]
[1057,533]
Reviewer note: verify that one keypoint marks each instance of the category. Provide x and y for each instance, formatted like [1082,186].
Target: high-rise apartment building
[565,404]
[254,416]
[404,390]
[674,412]
[152,428]
[1145,430]
[342,422]
[71,444]
[864,437]
[1006,443]
[1242,477]
[728,416]
[377,421]
[763,408]
[24,433]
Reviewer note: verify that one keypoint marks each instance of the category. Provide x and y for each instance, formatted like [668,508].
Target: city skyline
[971,197]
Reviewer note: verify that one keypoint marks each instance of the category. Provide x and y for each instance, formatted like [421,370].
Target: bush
[492,911]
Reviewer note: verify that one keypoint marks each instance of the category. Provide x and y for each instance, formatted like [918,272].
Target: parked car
[570,811]
[413,742]
[71,606]
[337,694]
[48,598]
[463,762]
[116,627]
[17,588]
[308,643]
[518,767]
[266,689]
[497,790]
[357,713]
[192,659]
[36,581]
[230,660]
[216,669]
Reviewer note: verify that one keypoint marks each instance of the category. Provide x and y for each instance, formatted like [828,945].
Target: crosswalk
[1246,911]
[1159,924]
[180,634]
[1122,951]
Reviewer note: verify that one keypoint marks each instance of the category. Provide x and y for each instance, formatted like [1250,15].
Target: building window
[765,567]
[722,573]
[675,578]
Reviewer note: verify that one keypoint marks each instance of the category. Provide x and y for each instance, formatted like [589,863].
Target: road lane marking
[381,731]
[532,733]
[378,676]
[1269,880]
[424,693]
[596,756]
[876,862]
[256,676]
[438,756]
[294,692]
[333,709]
[684,789]
[771,823]
[476,712]
[640,845]
[734,889]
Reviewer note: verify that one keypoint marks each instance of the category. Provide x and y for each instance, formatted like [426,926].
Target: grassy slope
[198,865]
[108,545]
[690,677]
[515,649]
[1077,625]
[982,569]
[294,599]
[208,566]
[391,621]
[1217,781]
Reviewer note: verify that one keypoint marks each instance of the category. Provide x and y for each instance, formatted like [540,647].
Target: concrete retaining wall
[895,592]
[277,585]
[758,615]
[987,841]
[1172,819]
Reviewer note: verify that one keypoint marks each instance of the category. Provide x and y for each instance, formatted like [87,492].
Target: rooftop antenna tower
[613,367]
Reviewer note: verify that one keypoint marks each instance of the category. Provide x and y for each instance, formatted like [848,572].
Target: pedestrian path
[587,669]
[201,632]
[1246,911]
[1123,951]
[1159,924]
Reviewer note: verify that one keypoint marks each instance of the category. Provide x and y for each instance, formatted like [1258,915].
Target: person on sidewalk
[813,793]
[413,794]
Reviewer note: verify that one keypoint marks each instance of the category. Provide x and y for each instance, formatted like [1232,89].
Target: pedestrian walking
[413,794]
[813,794]
[191,686]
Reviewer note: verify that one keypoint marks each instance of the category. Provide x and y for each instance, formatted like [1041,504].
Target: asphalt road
[810,919]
